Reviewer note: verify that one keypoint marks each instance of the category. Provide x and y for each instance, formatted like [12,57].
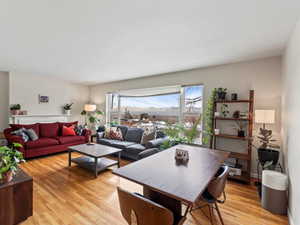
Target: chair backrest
[217,184]
[146,211]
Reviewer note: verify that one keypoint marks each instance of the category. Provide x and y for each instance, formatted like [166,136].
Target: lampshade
[265,116]
[90,107]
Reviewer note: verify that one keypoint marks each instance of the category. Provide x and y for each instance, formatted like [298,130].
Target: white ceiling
[92,41]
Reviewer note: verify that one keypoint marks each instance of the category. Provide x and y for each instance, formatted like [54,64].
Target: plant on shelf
[221,93]
[208,118]
[67,108]
[10,157]
[240,127]
[224,110]
[15,109]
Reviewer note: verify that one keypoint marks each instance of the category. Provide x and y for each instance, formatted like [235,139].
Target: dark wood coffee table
[94,157]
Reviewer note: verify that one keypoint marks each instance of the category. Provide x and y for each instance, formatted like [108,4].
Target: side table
[16,199]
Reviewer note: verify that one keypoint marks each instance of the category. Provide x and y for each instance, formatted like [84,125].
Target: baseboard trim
[290,218]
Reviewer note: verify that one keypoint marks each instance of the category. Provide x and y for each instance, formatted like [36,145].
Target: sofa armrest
[155,143]
[87,134]
[147,152]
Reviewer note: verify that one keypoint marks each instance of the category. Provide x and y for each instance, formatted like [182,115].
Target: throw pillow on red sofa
[68,131]
[35,127]
[67,124]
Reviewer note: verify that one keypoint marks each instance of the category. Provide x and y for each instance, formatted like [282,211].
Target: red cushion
[49,130]
[35,127]
[42,142]
[70,139]
[69,124]
[68,131]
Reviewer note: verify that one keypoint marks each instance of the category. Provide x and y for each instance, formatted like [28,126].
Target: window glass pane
[192,109]
[151,110]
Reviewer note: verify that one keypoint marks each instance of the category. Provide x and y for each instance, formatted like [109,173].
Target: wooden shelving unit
[246,157]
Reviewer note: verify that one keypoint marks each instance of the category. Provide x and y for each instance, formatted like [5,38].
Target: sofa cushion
[68,131]
[49,130]
[123,129]
[70,139]
[42,142]
[115,143]
[35,127]
[69,124]
[135,149]
[134,135]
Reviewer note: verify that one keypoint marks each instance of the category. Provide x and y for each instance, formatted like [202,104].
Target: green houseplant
[10,157]
[208,118]
[67,108]
[15,109]
[93,118]
[178,134]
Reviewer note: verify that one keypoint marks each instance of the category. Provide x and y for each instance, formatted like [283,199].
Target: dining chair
[211,196]
[138,210]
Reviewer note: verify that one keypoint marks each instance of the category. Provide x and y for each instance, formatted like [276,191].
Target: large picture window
[157,107]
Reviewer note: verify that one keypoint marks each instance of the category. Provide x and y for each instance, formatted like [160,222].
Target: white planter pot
[68,112]
[217,131]
[217,114]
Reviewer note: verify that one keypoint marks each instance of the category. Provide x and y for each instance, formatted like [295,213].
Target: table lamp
[90,107]
[265,117]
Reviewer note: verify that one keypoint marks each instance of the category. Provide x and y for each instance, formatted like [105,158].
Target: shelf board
[231,101]
[245,177]
[230,118]
[231,137]
[243,156]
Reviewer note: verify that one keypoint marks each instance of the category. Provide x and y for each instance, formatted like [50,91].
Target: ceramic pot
[68,112]
[7,177]
[265,155]
[15,112]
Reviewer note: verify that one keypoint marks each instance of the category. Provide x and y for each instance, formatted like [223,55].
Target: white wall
[4,96]
[263,75]
[25,89]
[291,122]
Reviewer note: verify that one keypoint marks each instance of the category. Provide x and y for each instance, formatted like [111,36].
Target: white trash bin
[274,192]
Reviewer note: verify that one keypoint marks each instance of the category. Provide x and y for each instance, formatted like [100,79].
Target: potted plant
[239,126]
[224,110]
[266,151]
[93,118]
[67,108]
[221,93]
[15,109]
[208,119]
[10,157]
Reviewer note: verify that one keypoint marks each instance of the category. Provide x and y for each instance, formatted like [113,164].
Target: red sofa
[50,138]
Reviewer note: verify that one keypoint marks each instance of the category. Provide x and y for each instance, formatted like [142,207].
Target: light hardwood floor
[72,196]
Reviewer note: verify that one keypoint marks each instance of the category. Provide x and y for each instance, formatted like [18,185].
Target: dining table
[170,182]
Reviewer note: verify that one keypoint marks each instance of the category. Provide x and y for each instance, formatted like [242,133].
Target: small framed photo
[43,99]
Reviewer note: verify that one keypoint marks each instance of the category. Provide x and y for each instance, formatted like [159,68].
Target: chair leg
[211,214]
[219,213]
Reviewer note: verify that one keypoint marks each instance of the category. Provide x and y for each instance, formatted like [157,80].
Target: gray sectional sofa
[131,145]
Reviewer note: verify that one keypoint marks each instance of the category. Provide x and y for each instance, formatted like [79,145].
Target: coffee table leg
[96,163]
[119,159]
[70,157]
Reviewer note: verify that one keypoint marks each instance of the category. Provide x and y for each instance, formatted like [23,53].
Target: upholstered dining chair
[211,196]
[138,210]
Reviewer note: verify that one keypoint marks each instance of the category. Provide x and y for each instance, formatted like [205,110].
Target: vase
[241,133]
[7,177]
[68,112]
[15,112]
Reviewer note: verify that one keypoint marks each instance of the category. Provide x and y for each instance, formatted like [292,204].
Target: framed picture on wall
[43,99]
